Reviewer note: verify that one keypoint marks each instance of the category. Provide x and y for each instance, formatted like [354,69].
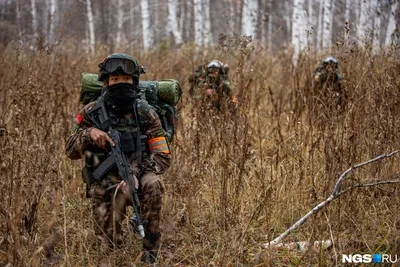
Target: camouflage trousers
[109,210]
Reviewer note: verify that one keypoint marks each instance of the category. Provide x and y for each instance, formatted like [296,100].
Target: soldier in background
[210,86]
[327,81]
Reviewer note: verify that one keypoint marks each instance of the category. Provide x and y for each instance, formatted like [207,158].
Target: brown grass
[235,183]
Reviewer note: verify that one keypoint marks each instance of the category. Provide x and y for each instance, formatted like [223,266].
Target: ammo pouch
[128,143]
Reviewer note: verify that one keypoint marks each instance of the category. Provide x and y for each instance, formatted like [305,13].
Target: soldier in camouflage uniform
[327,81]
[210,86]
[120,74]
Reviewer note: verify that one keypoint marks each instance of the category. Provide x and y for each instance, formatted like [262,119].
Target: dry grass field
[235,184]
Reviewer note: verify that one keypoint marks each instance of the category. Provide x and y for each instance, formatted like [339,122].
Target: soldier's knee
[152,185]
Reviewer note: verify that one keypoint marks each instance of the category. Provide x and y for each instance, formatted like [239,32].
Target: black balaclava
[120,97]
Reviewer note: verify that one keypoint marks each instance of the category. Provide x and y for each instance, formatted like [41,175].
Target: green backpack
[161,95]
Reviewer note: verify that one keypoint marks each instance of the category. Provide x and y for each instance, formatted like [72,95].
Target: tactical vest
[128,129]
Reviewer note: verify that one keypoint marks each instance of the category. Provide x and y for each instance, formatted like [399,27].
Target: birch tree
[172,26]
[365,20]
[148,38]
[207,22]
[347,19]
[320,25]
[249,17]
[391,28]
[326,30]
[310,21]
[34,19]
[202,25]
[52,19]
[232,16]
[91,26]
[376,44]
[331,13]
[299,28]
[120,16]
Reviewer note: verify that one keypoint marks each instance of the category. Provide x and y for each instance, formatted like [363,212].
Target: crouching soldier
[327,81]
[142,140]
[210,86]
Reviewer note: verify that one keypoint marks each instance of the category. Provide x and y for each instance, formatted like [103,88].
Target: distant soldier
[327,80]
[210,86]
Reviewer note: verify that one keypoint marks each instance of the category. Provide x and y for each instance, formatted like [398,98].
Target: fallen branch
[335,194]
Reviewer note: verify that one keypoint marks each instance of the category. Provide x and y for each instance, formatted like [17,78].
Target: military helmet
[330,60]
[217,65]
[119,63]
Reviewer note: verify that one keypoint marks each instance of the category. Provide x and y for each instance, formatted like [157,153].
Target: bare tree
[299,28]
[365,20]
[148,38]
[320,25]
[392,23]
[34,19]
[172,26]
[376,43]
[347,18]
[52,20]
[327,27]
[249,17]
[90,20]
[202,26]
[120,16]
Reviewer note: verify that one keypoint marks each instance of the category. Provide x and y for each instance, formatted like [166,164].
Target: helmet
[330,60]
[119,63]
[215,66]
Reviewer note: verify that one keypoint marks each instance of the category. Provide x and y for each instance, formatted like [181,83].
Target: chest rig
[129,130]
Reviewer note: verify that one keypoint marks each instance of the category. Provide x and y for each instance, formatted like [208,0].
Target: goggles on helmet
[127,66]
[213,65]
[329,60]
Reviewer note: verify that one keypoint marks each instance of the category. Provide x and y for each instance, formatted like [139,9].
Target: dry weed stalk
[337,192]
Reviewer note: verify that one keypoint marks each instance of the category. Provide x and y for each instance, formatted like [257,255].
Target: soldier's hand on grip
[100,138]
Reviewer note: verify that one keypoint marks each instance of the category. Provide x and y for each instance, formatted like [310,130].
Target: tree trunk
[120,15]
[299,28]
[147,32]
[310,23]
[208,38]
[232,16]
[249,17]
[19,26]
[91,26]
[327,34]
[331,13]
[391,24]
[364,25]
[34,19]
[131,36]
[376,42]
[172,25]
[52,19]
[288,20]
[320,25]
[347,19]
[198,19]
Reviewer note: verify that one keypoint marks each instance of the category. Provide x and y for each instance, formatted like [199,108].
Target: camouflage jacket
[321,79]
[223,96]
[80,144]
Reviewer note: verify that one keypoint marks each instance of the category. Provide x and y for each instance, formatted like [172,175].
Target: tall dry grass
[235,183]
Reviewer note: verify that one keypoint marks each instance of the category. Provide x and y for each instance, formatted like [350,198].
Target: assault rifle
[101,119]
